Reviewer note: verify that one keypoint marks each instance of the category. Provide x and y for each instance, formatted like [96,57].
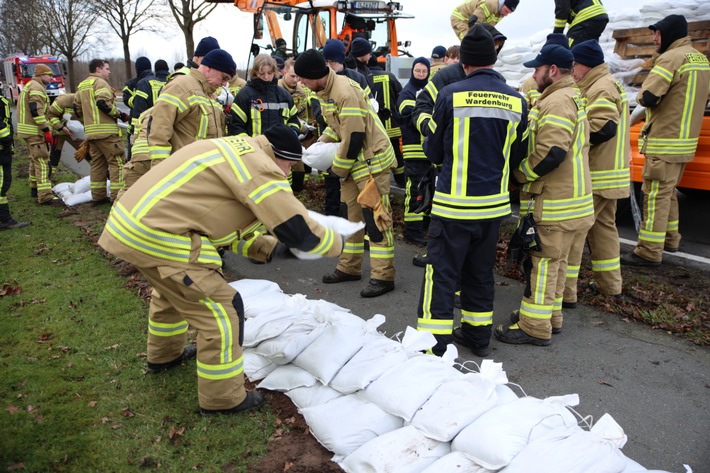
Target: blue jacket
[480,129]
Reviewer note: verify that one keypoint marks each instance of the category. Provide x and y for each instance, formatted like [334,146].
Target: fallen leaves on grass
[10,290]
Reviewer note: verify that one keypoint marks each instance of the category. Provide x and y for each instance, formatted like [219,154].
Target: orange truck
[19,69]
[309,24]
[638,43]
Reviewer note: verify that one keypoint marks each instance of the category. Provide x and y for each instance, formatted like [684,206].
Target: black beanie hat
[672,28]
[588,53]
[359,47]
[161,65]
[310,65]
[559,39]
[477,48]
[221,60]
[284,142]
[512,4]
[334,50]
[206,45]
[142,64]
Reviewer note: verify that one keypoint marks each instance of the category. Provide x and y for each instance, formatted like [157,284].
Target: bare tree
[189,13]
[69,26]
[20,23]
[128,17]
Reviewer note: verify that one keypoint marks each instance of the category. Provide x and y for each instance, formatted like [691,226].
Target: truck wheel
[695,193]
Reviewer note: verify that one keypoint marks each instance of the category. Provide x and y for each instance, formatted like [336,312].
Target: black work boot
[515,317]
[421,261]
[33,192]
[515,336]
[377,287]
[339,276]
[12,223]
[460,338]
[188,353]
[253,400]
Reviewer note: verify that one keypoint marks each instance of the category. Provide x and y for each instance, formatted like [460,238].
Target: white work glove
[225,97]
[375,105]
[339,225]
[320,155]
[637,115]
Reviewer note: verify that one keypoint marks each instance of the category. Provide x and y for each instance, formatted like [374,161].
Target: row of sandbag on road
[380,405]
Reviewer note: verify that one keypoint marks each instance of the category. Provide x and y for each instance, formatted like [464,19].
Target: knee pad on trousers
[375,234]
[238,305]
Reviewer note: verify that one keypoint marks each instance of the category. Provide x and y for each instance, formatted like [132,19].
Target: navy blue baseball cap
[552,54]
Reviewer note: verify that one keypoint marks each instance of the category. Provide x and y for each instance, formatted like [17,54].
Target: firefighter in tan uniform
[186,110]
[675,95]
[486,11]
[307,108]
[364,150]
[62,105]
[609,155]
[95,106]
[33,127]
[557,185]
[169,226]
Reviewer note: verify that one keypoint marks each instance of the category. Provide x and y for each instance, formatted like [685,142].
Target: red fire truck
[19,69]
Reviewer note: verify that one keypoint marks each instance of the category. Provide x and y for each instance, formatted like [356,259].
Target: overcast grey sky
[430,27]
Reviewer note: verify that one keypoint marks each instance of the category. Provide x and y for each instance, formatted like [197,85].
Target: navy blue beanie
[359,47]
[142,64]
[334,50]
[558,39]
[310,64]
[206,45]
[161,65]
[221,60]
[588,53]
[419,83]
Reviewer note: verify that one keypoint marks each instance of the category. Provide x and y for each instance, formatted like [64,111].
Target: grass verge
[72,342]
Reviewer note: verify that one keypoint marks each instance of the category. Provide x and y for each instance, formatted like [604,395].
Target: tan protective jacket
[347,111]
[210,194]
[27,125]
[62,105]
[140,150]
[562,192]
[680,77]
[485,10]
[97,124]
[184,112]
[608,161]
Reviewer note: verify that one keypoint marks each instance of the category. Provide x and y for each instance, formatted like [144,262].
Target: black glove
[124,117]
[281,251]
[384,114]
[426,189]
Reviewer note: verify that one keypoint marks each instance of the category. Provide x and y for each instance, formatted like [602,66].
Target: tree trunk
[189,42]
[126,60]
[71,86]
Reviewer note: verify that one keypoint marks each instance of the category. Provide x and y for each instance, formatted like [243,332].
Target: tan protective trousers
[541,309]
[107,154]
[132,171]
[605,249]
[660,208]
[382,251]
[202,298]
[39,168]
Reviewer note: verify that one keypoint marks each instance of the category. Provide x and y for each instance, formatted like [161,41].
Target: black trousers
[590,29]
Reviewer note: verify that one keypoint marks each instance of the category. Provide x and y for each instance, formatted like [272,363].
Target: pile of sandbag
[79,192]
[380,404]
[515,53]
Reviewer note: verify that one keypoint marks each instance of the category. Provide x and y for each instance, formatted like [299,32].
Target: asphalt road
[656,386]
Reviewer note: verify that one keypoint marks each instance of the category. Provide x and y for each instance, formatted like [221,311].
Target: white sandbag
[378,354]
[320,155]
[404,450]
[312,396]
[249,288]
[347,422]
[406,387]
[76,129]
[329,352]
[287,346]
[341,225]
[568,451]
[455,462]
[77,199]
[63,188]
[268,325]
[519,48]
[322,310]
[82,185]
[497,436]
[287,377]
[505,394]
[454,405]
[260,297]
[257,367]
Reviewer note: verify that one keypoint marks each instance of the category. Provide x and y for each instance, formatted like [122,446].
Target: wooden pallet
[636,43]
